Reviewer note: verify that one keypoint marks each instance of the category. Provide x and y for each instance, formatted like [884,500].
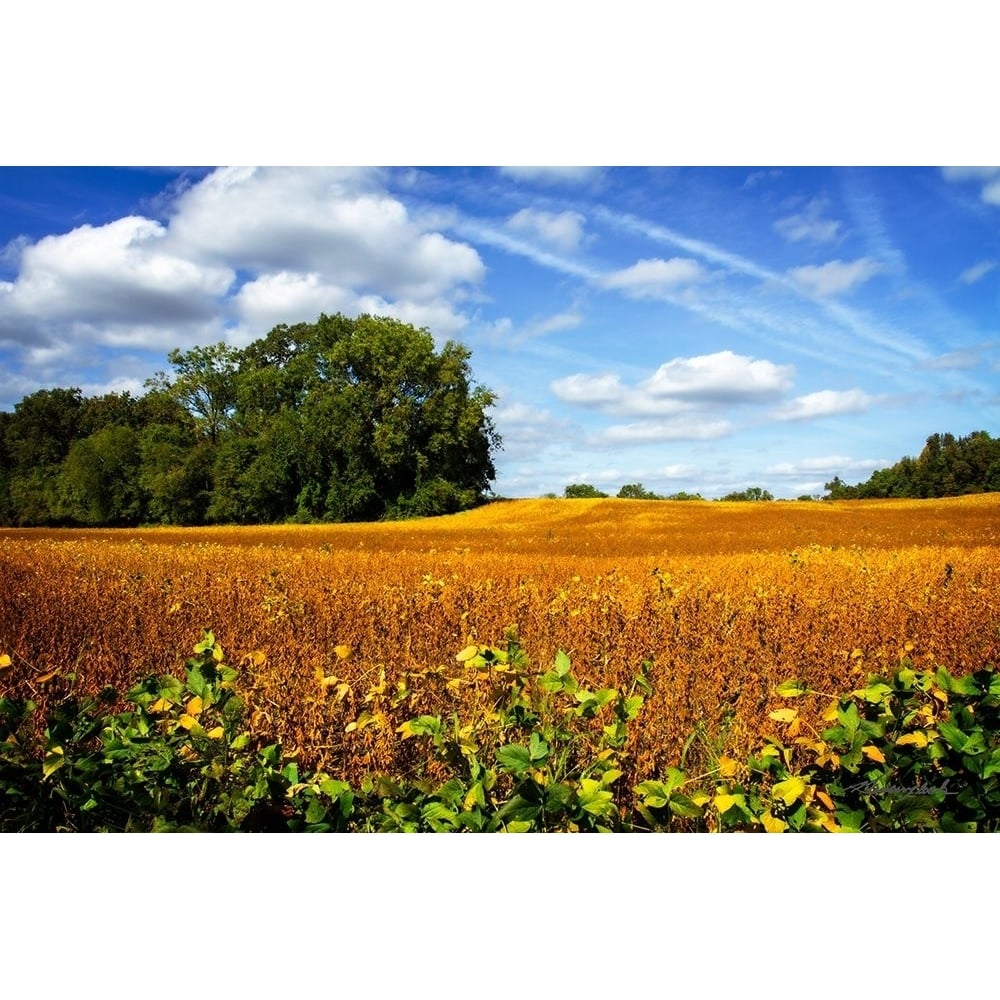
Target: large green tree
[341,419]
[358,419]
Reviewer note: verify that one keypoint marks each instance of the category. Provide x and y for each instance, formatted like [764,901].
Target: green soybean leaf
[514,757]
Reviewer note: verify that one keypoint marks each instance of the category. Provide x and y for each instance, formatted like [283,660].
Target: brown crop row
[725,600]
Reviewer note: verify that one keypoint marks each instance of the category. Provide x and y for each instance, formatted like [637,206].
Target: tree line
[339,420]
[946,467]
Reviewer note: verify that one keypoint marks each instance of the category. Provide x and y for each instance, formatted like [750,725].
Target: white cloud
[991,193]
[759,176]
[972,274]
[654,277]
[825,403]
[528,430]
[286,297]
[10,253]
[679,387]
[554,323]
[836,276]
[720,377]
[655,431]
[120,272]
[989,177]
[969,173]
[562,230]
[314,219]
[825,464]
[678,471]
[953,360]
[303,241]
[590,390]
[809,225]
[553,175]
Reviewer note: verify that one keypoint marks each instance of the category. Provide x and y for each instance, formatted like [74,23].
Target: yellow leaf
[829,824]
[789,790]
[364,719]
[467,654]
[783,714]
[45,678]
[873,753]
[342,651]
[831,713]
[343,690]
[700,798]
[856,654]
[5,662]
[772,824]
[940,695]
[825,799]
[723,802]
[727,767]
[215,734]
[917,739]
[174,608]
[160,705]
[187,721]
[194,706]
[256,658]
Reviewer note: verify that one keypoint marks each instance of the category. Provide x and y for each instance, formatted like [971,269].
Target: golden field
[354,628]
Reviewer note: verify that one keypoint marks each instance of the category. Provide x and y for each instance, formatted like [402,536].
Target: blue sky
[689,328]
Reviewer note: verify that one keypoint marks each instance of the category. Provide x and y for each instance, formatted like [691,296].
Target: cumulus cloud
[120,272]
[836,276]
[973,274]
[680,385]
[590,390]
[653,277]
[722,377]
[825,403]
[237,252]
[809,225]
[562,230]
[683,400]
[330,221]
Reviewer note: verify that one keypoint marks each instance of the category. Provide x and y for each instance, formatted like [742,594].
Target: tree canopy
[947,466]
[341,419]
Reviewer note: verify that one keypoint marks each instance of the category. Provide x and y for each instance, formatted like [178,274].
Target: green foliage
[560,749]
[753,494]
[636,491]
[343,419]
[582,491]
[545,752]
[947,466]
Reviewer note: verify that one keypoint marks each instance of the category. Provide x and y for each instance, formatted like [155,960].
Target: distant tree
[582,491]
[683,495]
[636,491]
[754,494]
[946,466]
